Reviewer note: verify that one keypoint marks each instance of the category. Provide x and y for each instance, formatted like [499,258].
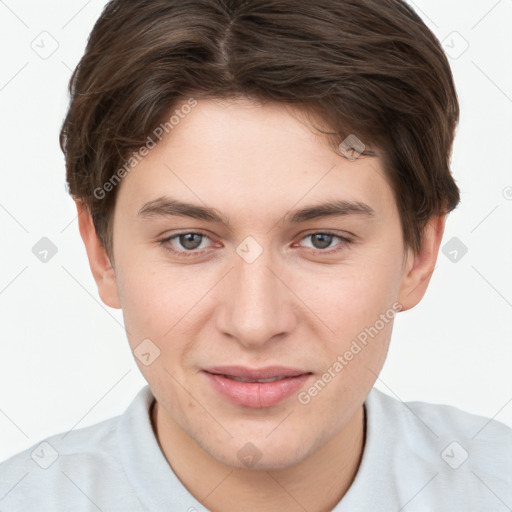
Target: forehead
[246,157]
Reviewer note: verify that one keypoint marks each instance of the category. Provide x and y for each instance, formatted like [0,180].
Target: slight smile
[256,388]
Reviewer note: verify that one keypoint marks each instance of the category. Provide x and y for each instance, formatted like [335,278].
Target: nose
[257,304]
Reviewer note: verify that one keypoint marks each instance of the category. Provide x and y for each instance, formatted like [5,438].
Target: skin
[293,306]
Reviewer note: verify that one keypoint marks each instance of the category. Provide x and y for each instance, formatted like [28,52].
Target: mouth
[261,381]
[256,388]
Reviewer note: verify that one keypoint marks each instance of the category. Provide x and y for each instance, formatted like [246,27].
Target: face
[254,312]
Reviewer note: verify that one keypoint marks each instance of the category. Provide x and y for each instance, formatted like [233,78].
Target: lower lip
[257,394]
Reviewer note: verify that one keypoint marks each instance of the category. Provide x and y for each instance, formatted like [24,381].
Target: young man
[262,186]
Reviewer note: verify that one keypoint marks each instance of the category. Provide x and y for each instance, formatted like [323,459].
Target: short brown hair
[370,68]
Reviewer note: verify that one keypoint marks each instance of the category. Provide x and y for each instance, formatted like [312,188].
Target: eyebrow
[168,207]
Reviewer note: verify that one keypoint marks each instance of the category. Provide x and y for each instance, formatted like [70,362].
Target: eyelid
[333,232]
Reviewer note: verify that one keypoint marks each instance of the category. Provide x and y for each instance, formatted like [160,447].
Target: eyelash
[344,242]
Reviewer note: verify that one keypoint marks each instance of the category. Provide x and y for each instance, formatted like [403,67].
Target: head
[203,142]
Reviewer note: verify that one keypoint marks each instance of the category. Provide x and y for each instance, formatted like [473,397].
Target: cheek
[356,305]
[359,313]
[362,323]
[162,304]
[146,300]
[351,298]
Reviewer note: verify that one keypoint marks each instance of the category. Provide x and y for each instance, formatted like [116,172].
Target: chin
[260,454]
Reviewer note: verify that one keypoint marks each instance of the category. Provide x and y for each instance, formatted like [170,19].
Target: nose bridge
[258,308]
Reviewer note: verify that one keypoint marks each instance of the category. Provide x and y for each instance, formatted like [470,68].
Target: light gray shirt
[418,457]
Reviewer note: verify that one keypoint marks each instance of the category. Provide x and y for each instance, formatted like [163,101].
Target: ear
[419,266]
[102,270]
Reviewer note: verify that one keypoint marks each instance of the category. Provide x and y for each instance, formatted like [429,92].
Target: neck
[315,484]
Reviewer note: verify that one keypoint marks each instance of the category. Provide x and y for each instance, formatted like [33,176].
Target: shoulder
[50,468]
[72,467]
[445,419]
[468,457]
[55,448]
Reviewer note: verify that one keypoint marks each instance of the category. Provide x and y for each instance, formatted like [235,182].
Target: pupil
[325,240]
[188,242]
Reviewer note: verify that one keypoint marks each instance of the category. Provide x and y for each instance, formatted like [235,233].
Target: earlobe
[420,265]
[101,268]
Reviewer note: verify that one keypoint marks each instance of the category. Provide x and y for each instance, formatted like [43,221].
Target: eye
[188,244]
[189,241]
[322,241]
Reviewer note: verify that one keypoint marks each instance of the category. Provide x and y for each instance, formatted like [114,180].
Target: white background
[65,361]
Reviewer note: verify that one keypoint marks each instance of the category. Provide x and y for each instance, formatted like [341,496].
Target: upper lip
[268,372]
